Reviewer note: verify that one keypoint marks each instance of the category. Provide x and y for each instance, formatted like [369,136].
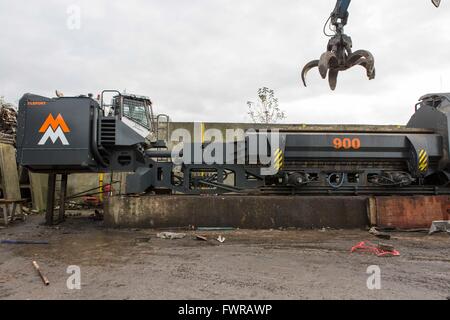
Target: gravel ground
[292,264]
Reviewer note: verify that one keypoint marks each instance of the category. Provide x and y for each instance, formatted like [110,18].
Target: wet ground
[289,264]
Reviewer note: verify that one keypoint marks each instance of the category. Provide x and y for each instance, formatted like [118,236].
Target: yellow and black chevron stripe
[423,161]
[278,160]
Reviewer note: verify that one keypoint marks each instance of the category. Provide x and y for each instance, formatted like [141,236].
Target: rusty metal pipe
[38,269]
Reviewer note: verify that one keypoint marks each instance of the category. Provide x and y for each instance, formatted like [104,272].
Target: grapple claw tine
[365,54]
[327,60]
[332,78]
[368,65]
[372,74]
[307,67]
[355,59]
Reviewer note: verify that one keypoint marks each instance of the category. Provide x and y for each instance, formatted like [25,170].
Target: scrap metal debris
[221,239]
[440,226]
[374,231]
[8,123]
[171,235]
[201,238]
[38,269]
[380,250]
[386,247]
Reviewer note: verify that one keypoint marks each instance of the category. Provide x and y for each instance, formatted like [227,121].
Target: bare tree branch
[266,110]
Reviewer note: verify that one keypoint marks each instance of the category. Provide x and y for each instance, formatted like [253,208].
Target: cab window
[136,111]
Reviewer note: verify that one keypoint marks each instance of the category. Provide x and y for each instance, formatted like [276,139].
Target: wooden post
[9,173]
[50,199]
[62,198]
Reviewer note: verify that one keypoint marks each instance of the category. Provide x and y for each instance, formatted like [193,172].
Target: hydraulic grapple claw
[339,56]
[309,66]
[340,59]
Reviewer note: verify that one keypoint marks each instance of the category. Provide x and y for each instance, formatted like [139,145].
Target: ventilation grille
[108,132]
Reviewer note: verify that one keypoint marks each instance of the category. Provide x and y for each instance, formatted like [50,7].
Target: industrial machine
[65,135]
[339,55]
[80,135]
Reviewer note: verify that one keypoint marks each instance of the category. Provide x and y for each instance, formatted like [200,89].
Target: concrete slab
[245,212]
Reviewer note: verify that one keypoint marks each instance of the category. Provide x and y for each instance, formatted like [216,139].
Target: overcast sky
[202,60]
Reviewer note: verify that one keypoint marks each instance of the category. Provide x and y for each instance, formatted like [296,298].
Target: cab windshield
[136,111]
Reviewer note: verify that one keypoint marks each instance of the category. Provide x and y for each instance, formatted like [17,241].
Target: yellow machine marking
[423,161]
[278,160]
[101,177]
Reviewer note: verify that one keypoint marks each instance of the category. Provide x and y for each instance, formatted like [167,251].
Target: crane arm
[340,12]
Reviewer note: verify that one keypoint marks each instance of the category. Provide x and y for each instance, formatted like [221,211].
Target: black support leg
[62,198]
[50,199]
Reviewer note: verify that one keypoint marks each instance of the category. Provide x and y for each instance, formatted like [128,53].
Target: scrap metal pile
[8,123]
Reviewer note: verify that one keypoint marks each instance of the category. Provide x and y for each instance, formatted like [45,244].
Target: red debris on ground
[369,247]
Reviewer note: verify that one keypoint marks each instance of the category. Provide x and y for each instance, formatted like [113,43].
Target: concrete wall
[80,182]
[271,212]
[246,212]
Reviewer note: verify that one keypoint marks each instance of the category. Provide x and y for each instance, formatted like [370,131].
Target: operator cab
[137,113]
[133,110]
